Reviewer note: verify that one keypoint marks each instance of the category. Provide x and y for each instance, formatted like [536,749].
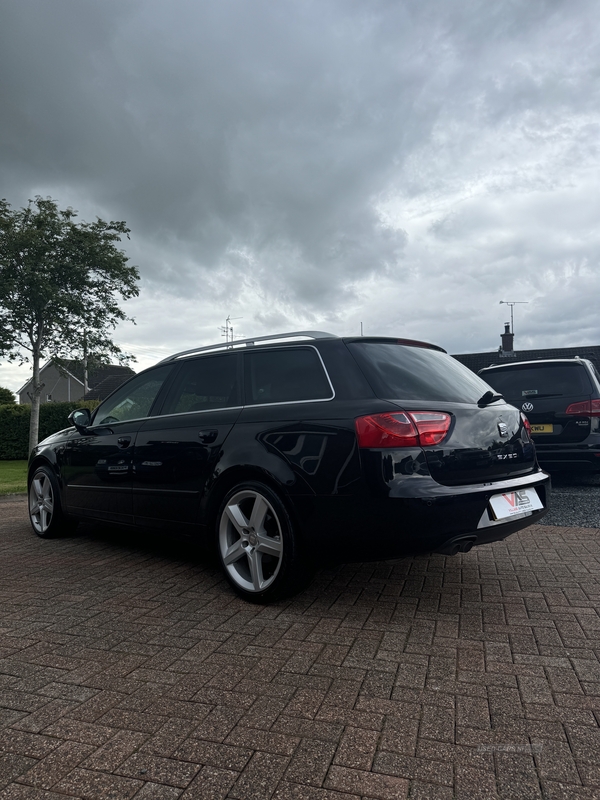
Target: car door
[98,469]
[288,415]
[177,451]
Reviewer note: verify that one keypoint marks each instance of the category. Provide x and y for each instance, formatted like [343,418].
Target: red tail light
[526,424]
[587,408]
[402,429]
[432,426]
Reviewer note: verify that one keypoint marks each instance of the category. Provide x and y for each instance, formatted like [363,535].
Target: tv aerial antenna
[227,329]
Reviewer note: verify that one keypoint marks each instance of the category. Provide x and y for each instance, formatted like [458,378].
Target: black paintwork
[172,471]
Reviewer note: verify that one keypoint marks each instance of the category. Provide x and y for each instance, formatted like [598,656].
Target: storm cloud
[318,164]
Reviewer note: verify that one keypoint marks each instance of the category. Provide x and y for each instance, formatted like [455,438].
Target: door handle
[124,441]
[206,437]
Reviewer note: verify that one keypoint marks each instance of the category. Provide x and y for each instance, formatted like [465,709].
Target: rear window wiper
[489,397]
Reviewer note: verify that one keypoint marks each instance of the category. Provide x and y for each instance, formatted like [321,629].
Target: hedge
[14,425]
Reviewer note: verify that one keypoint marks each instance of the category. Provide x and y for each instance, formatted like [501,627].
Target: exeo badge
[527,407]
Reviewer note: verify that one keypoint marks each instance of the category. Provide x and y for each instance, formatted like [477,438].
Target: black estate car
[291,450]
[561,398]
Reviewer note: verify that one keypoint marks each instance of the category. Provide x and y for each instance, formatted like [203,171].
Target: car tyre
[257,545]
[45,511]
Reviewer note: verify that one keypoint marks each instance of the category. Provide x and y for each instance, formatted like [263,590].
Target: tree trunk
[34,422]
[85,366]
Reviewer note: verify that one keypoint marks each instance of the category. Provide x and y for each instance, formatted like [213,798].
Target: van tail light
[402,429]
[526,424]
[587,408]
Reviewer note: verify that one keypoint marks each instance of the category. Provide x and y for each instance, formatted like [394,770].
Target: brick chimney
[507,339]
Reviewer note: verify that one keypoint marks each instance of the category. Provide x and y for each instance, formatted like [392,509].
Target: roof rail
[251,342]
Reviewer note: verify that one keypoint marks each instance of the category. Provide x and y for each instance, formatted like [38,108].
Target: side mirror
[80,418]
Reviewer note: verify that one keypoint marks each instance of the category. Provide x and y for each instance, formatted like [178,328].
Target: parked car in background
[290,450]
[561,398]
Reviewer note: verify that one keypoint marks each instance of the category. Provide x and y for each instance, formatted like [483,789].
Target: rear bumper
[465,542]
[416,515]
[569,458]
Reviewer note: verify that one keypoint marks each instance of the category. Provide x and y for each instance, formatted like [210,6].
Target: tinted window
[134,400]
[204,383]
[543,380]
[284,376]
[400,372]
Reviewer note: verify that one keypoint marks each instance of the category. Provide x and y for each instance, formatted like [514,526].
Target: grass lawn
[13,476]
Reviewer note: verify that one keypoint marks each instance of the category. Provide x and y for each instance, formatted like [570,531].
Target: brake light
[526,424]
[432,426]
[402,429]
[586,408]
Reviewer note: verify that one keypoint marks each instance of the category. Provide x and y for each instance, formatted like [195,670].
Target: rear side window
[543,380]
[205,383]
[288,375]
[401,372]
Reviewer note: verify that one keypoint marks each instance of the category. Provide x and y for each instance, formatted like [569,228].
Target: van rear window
[539,380]
[401,372]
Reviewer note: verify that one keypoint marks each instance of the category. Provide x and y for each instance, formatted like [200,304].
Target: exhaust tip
[461,544]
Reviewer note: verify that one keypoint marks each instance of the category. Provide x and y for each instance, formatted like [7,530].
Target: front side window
[205,383]
[134,399]
[286,375]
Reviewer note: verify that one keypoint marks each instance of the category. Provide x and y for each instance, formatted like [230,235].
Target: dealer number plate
[511,504]
[542,428]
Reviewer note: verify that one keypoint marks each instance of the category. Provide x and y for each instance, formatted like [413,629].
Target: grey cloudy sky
[304,164]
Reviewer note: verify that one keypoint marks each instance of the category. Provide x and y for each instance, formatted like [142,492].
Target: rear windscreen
[400,372]
[545,380]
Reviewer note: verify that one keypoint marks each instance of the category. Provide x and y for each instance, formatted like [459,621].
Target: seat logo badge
[527,407]
[503,429]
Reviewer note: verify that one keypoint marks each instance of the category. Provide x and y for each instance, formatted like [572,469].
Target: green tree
[60,284]
[6,397]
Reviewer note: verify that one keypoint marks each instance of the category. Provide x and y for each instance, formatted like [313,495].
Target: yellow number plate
[542,428]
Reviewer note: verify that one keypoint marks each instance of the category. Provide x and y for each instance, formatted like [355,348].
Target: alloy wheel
[250,540]
[41,502]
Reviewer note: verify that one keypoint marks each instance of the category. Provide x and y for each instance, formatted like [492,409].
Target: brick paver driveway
[128,669]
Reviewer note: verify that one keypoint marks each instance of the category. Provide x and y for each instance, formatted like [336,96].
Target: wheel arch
[60,522]
[42,461]
[239,474]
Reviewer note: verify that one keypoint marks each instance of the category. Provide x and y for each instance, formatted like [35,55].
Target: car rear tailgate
[483,444]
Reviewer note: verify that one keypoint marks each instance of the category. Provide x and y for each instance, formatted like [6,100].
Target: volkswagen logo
[527,407]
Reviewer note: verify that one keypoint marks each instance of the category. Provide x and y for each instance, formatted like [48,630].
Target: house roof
[115,372]
[111,381]
[45,366]
[477,361]
[97,375]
